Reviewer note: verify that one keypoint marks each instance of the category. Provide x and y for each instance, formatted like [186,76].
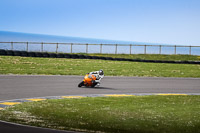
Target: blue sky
[153,21]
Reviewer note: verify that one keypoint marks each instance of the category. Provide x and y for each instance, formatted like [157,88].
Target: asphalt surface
[6,127]
[17,87]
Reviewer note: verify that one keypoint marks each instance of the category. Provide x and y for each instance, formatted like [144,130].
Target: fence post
[27,46]
[86,48]
[145,49]
[56,47]
[71,47]
[175,49]
[42,47]
[116,49]
[190,50]
[11,45]
[130,48]
[160,49]
[101,48]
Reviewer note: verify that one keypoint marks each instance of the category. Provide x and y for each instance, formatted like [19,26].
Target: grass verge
[138,114]
[151,57]
[61,66]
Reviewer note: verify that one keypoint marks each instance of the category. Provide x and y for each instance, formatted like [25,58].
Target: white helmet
[101,72]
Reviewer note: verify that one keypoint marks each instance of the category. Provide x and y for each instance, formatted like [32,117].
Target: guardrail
[99,48]
[81,56]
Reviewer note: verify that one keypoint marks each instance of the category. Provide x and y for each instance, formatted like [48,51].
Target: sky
[152,21]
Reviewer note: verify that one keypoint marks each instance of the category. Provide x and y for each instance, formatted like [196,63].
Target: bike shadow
[106,88]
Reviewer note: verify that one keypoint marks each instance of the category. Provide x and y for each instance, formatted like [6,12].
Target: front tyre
[81,84]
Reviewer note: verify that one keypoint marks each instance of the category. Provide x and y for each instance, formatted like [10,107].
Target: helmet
[101,72]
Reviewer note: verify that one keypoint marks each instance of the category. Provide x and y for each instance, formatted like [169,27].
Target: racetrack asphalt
[17,86]
[29,86]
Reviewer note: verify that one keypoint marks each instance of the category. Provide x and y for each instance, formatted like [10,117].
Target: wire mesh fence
[100,48]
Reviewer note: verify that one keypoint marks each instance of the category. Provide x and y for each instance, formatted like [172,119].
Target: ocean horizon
[7,36]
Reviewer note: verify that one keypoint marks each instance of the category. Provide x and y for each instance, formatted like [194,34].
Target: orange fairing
[88,79]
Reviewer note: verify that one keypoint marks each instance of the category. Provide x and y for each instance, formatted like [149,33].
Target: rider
[99,75]
[92,79]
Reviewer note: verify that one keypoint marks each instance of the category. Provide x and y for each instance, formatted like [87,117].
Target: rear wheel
[81,84]
[93,85]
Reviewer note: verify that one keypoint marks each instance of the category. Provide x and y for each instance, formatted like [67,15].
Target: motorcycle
[92,79]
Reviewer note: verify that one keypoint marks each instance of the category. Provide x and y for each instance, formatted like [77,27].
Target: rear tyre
[93,85]
[81,84]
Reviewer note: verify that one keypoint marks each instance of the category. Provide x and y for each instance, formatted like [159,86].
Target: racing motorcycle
[92,79]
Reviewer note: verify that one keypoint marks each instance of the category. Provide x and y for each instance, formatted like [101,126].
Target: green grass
[61,66]
[151,57]
[138,114]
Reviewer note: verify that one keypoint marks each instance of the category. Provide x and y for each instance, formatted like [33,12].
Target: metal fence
[100,48]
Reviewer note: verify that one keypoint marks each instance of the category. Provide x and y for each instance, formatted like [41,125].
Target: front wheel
[81,84]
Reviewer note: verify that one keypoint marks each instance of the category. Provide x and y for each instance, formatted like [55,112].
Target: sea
[124,48]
